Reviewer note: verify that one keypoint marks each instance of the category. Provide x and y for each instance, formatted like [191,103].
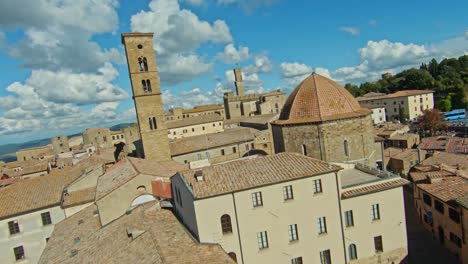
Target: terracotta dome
[318,99]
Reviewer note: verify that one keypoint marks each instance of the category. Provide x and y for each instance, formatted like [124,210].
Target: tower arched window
[144,86]
[154,122]
[148,85]
[226,225]
[140,64]
[346,148]
[145,64]
[233,256]
[304,149]
[150,123]
[352,252]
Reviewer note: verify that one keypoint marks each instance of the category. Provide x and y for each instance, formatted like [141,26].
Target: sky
[63,67]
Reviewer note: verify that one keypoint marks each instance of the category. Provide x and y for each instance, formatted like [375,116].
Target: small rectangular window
[325,257]
[378,244]
[439,206]
[288,192]
[321,225]
[257,199]
[46,219]
[292,233]
[13,226]
[454,215]
[349,218]
[19,252]
[297,260]
[375,212]
[234,150]
[317,187]
[262,239]
[455,239]
[222,152]
[427,199]
[247,147]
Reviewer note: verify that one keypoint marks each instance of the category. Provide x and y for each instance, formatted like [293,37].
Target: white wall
[32,235]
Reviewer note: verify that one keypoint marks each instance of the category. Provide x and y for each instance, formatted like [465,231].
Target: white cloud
[231,55]
[178,68]
[351,30]
[294,73]
[262,64]
[247,5]
[194,97]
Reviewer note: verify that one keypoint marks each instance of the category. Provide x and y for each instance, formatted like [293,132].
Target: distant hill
[7,151]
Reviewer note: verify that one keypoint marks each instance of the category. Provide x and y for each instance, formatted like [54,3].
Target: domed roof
[318,99]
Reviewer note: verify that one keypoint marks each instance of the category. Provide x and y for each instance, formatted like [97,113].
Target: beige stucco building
[289,208]
[100,137]
[177,113]
[410,103]
[194,126]
[378,114]
[321,119]
[35,153]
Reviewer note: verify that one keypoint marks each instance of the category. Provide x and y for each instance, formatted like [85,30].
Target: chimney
[238,81]
[199,175]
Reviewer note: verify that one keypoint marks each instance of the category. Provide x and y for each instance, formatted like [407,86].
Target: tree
[433,68]
[353,89]
[445,105]
[415,79]
[432,121]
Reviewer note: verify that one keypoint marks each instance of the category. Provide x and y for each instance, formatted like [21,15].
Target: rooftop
[253,173]
[36,193]
[463,201]
[428,175]
[451,159]
[318,99]
[79,197]
[203,108]
[208,141]
[148,234]
[447,189]
[195,120]
[376,96]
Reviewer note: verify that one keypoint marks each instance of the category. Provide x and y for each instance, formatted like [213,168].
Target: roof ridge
[319,107]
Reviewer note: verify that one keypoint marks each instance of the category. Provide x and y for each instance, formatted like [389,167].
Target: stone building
[60,144]
[34,153]
[178,113]
[147,94]
[407,104]
[321,119]
[289,208]
[99,136]
[243,104]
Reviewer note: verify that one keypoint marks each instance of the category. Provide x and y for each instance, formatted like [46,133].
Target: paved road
[422,247]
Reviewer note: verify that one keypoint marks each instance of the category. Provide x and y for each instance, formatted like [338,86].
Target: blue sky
[63,69]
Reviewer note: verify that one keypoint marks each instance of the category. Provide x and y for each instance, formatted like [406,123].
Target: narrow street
[422,247]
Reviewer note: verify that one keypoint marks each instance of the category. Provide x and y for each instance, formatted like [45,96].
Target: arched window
[145,64]
[145,87]
[352,252]
[233,256]
[150,123]
[154,123]
[140,64]
[304,150]
[346,148]
[141,189]
[148,85]
[226,224]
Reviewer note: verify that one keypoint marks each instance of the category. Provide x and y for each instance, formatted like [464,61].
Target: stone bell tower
[147,96]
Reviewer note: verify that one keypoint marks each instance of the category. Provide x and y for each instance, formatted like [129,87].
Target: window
[207,154]
[346,148]
[427,199]
[454,215]
[203,128]
[288,193]
[199,156]
[147,86]
[378,244]
[257,199]
[439,206]
[349,220]
[145,64]
[234,150]
[352,252]
[455,239]
[375,212]
[325,257]
[321,225]
[193,129]
[214,124]
[262,240]
[46,219]
[304,150]
[226,225]
[233,256]
[317,187]
[19,252]
[292,233]
[150,123]
[297,260]
[222,152]
[247,147]
[252,146]
[13,227]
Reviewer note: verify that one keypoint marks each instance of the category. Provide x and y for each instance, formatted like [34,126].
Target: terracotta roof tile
[447,189]
[421,176]
[79,197]
[243,174]
[373,188]
[376,96]
[319,99]
[195,120]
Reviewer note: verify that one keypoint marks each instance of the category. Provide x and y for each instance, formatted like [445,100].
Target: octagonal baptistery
[321,119]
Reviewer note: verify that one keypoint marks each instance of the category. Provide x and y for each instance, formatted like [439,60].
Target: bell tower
[147,96]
